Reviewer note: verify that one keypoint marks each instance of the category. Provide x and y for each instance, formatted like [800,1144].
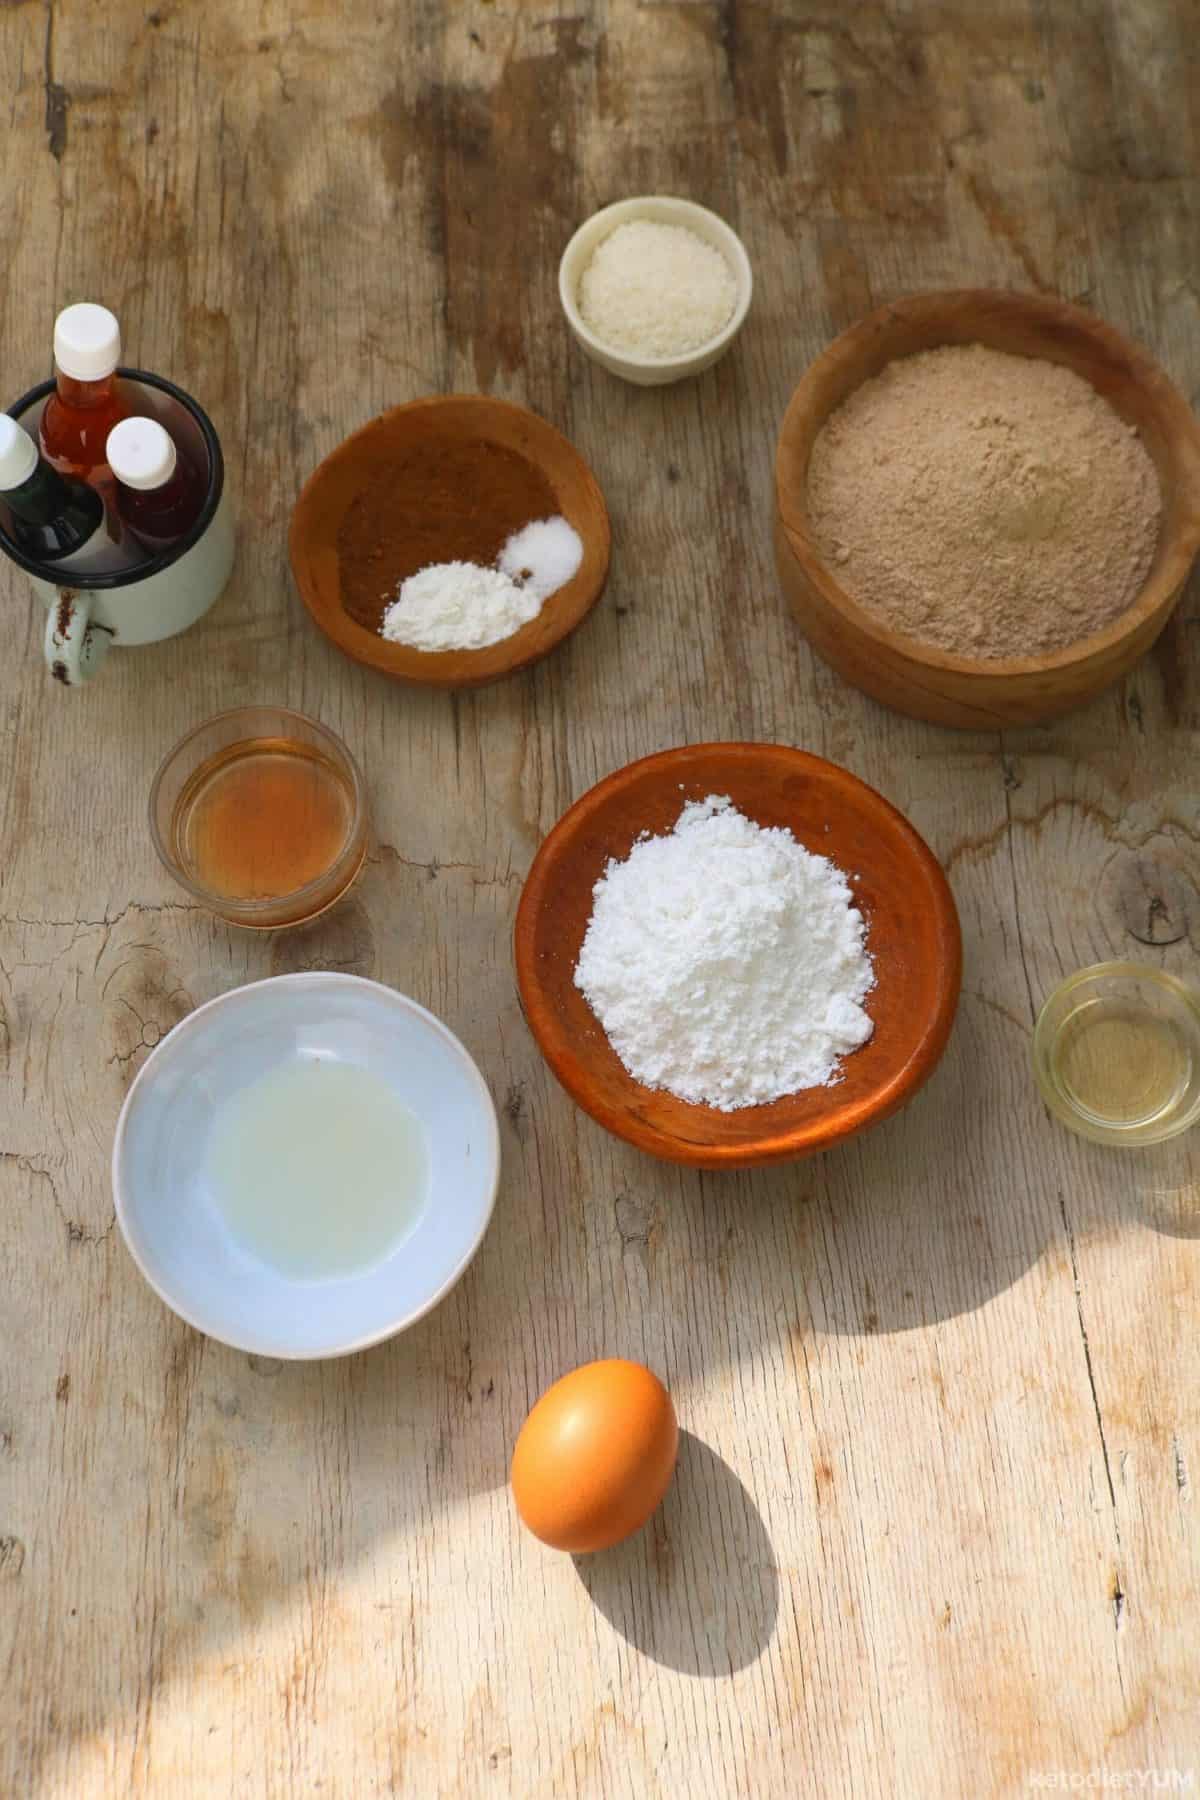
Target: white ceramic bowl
[653,371]
[169,1219]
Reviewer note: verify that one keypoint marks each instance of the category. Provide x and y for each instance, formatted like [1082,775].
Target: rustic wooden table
[935,1526]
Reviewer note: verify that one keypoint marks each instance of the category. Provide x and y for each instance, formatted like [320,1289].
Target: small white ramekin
[653,371]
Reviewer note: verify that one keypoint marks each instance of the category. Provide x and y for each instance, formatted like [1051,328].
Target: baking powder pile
[656,290]
[458,606]
[466,606]
[992,505]
[726,963]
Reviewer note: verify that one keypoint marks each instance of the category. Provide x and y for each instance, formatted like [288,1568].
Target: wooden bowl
[366,478]
[912,936]
[916,678]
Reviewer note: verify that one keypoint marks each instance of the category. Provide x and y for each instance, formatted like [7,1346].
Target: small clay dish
[912,936]
[448,479]
[917,678]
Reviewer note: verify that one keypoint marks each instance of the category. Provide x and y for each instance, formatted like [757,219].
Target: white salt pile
[543,556]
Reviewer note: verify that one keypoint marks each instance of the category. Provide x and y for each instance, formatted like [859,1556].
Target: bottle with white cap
[159,492]
[53,518]
[88,399]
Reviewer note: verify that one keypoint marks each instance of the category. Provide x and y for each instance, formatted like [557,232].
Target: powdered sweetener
[458,606]
[467,606]
[726,963]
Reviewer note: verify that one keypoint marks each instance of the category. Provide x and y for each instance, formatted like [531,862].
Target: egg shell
[595,1456]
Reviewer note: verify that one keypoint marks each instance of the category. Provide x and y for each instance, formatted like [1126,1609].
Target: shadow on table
[1174,1211]
[696,1589]
[1163,1184]
[947,1205]
[938,1210]
[271,1482]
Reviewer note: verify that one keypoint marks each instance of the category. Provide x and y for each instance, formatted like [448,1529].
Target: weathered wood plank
[934,1530]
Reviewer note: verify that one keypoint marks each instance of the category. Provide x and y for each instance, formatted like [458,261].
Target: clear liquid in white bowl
[318,1169]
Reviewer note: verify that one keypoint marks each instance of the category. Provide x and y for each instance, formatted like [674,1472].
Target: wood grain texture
[935,1525]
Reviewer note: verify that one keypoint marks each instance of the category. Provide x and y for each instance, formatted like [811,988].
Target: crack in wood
[995,1006]
[1016,893]
[109,920]
[1001,222]
[1110,827]
[1117,1592]
[58,100]
[1182,1479]
[434,867]
[76,1233]
[1087,1358]
[12,1555]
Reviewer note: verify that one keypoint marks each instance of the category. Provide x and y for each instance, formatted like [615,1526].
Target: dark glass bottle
[55,519]
[159,493]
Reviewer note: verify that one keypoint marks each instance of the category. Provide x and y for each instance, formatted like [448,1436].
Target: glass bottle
[159,493]
[88,399]
[53,517]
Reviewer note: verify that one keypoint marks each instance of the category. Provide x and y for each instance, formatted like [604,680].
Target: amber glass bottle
[88,399]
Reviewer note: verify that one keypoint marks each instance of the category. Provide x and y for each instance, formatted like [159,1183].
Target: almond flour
[992,505]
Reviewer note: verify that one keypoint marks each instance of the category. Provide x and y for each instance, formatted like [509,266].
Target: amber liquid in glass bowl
[262,818]
[260,813]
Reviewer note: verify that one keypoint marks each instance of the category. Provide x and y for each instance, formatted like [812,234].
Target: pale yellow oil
[1121,1065]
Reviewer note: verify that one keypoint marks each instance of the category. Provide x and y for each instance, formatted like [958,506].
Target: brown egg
[595,1456]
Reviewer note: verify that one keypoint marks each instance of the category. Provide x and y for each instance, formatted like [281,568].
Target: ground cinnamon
[435,503]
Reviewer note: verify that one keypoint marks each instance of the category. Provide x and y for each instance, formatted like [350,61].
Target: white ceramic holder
[87,615]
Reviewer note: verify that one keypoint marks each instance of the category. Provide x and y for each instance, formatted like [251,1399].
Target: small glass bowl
[1116,1054]
[260,813]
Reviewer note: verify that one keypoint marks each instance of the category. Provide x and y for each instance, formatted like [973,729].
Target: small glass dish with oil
[1116,1053]
[261,814]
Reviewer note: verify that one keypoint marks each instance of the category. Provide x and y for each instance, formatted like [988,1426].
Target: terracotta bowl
[352,487]
[913,937]
[916,678]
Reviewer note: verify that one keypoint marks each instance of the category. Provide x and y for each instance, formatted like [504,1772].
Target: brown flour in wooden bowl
[911,673]
[991,504]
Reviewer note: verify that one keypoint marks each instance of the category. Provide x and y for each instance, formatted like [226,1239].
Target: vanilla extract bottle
[88,397]
[159,491]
